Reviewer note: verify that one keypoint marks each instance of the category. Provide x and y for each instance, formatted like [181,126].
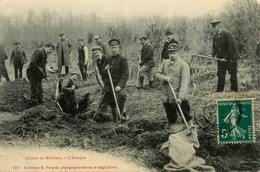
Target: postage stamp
[235,121]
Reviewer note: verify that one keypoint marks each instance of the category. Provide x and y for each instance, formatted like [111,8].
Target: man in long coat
[3,71]
[63,49]
[224,48]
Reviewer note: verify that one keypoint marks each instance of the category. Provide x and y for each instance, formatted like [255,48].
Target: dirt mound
[11,96]
[138,139]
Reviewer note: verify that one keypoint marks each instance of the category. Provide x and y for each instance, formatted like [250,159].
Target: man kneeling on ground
[177,72]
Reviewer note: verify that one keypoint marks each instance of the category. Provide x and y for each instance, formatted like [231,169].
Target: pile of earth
[138,139]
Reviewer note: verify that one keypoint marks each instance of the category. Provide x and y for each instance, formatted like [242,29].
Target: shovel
[178,105]
[114,94]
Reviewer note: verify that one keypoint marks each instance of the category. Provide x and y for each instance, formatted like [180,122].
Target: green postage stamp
[235,121]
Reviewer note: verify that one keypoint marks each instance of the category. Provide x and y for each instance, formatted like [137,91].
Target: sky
[144,8]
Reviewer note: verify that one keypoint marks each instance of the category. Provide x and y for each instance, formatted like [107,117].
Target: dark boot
[115,115]
[151,84]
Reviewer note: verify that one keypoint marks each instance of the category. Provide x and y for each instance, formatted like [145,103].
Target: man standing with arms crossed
[224,48]
[63,49]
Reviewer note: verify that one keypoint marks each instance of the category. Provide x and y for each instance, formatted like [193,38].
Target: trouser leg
[59,70]
[40,93]
[221,76]
[82,71]
[20,67]
[34,91]
[185,107]
[170,109]
[67,69]
[15,70]
[232,70]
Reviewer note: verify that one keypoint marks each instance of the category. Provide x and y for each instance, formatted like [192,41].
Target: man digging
[36,72]
[118,67]
[177,72]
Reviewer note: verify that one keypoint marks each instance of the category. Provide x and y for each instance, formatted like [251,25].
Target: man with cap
[63,49]
[99,42]
[36,71]
[177,72]
[18,59]
[147,63]
[118,67]
[83,58]
[3,71]
[169,40]
[100,60]
[224,48]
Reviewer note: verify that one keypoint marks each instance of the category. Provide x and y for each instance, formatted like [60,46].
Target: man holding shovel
[176,72]
[116,70]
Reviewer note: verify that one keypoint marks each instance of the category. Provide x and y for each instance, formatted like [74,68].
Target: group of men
[114,67]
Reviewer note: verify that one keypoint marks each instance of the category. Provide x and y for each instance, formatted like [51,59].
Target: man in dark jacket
[83,59]
[170,40]
[118,67]
[99,42]
[224,48]
[36,71]
[18,59]
[3,70]
[146,63]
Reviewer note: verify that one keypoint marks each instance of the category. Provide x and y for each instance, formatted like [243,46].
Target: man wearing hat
[169,40]
[99,43]
[3,71]
[83,58]
[177,72]
[118,67]
[224,48]
[63,49]
[147,63]
[36,71]
[100,60]
[18,59]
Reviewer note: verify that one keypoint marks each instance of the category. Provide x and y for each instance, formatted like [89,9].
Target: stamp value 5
[235,121]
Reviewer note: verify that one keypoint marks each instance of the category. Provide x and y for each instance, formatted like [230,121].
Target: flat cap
[143,38]
[114,42]
[17,43]
[61,34]
[173,47]
[215,22]
[168,32]
[96,48]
